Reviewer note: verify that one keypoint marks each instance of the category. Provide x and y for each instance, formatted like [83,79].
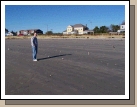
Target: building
[8,34]
[65,32]
[29,32]
[77,29]
[122,28]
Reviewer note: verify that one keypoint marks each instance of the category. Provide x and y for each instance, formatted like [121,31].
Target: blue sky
[58,17]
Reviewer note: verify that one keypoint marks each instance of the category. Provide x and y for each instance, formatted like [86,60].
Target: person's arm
[32,41]
[37,42]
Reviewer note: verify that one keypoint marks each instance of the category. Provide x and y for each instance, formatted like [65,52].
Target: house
[77,29]
[88,32]
[8,34]
[122,28]
[65,32]
[29,32]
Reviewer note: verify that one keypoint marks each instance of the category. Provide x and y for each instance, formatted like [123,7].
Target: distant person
[34,44]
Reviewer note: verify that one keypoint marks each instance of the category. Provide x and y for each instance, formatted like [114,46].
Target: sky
[57,17]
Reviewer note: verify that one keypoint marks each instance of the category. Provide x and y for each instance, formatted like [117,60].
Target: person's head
[35,34]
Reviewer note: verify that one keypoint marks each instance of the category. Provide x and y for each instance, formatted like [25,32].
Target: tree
[14,33]
[104,29]
[96,29]
[114,28]
[6,30]
[49,32]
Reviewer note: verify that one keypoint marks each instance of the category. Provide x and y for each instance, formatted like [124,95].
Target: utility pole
[91,25]
[90,22]
[47,28]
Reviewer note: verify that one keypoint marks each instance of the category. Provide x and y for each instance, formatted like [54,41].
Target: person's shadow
[53,57]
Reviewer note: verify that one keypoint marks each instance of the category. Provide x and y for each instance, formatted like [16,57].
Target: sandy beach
[65,67]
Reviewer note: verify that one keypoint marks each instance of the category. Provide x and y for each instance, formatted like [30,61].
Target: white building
[122,28]
[77,29]
[9,34]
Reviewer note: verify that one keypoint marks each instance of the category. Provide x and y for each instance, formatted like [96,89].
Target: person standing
[34,44]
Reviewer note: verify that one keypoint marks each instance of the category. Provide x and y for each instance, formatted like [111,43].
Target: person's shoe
[35,60]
